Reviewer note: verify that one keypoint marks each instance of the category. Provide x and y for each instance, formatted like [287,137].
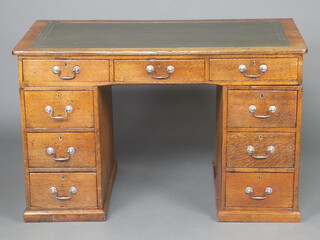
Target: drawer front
[161,71]
[61,150]
[55,190]
[260,149]
[66,70]
[255,108]
[249,190]
[39,104]
[254,69]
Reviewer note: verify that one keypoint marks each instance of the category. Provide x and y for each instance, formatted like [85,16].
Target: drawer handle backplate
[70,152]
[253,110]
[150,70]
[270,150]
[267,192]
[57,70]
[243,69]
[67,110]
[54,191]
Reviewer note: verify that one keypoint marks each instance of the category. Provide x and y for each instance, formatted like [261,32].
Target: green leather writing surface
[161,35]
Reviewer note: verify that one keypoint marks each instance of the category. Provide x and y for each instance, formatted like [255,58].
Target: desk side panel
[104,142]
[220,149]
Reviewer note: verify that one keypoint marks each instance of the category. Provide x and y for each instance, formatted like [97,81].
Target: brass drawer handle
[249,191]
[70,152]
[243,69]
[253,110]
[251,151]
[76,70]
[150,69]
[54,191]
[68,110]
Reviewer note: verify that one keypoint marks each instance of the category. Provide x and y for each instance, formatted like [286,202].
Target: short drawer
[55,190]
[260,149]
[61,150]
[159,71]
[259,190]
[254,69]
[262,108]
[59,109]
[66,70]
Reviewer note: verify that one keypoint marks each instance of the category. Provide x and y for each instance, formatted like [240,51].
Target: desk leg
[106,164]
[218,170]
[234,203]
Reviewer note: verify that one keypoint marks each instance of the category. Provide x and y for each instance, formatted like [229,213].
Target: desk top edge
[297,44]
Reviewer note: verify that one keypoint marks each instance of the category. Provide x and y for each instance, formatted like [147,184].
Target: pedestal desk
[67,68]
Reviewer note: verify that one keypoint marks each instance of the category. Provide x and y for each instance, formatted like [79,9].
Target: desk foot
[258,216]
[64,215]
[81,215]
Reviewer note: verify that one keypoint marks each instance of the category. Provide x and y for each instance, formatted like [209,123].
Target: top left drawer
[65,70]
[59,109]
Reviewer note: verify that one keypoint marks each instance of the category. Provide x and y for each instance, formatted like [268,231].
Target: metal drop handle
[57,70]
[253,110]
[150,70]
[54,191]
[251,151]
[70,152]
[267,192]
[243,69]
[67,110]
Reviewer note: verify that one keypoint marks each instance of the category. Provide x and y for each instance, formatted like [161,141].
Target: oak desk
[66,71]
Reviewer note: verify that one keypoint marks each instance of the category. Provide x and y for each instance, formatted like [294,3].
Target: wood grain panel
[240,100]
[81,102]
[218,165]
[37,70]
[238,156]
[134,71]
[40,184]
[83,143]
[281,183]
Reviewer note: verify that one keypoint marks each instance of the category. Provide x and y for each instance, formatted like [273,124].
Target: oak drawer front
[254,69]
[160,71]
[59,109]
[61,150]
[259,190]
[66,70]
[54,190]
[265,108]
[260,149]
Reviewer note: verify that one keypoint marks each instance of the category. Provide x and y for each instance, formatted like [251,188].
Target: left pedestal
[68,152]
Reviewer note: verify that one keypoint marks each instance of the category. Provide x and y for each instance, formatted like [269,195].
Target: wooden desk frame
[105,168]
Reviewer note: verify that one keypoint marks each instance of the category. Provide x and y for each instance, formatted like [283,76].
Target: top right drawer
[262,108]
[262,71]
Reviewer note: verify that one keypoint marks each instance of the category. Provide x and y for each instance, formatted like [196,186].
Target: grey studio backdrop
[164,135]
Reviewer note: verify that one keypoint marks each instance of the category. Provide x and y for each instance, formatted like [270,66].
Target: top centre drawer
[159,71]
